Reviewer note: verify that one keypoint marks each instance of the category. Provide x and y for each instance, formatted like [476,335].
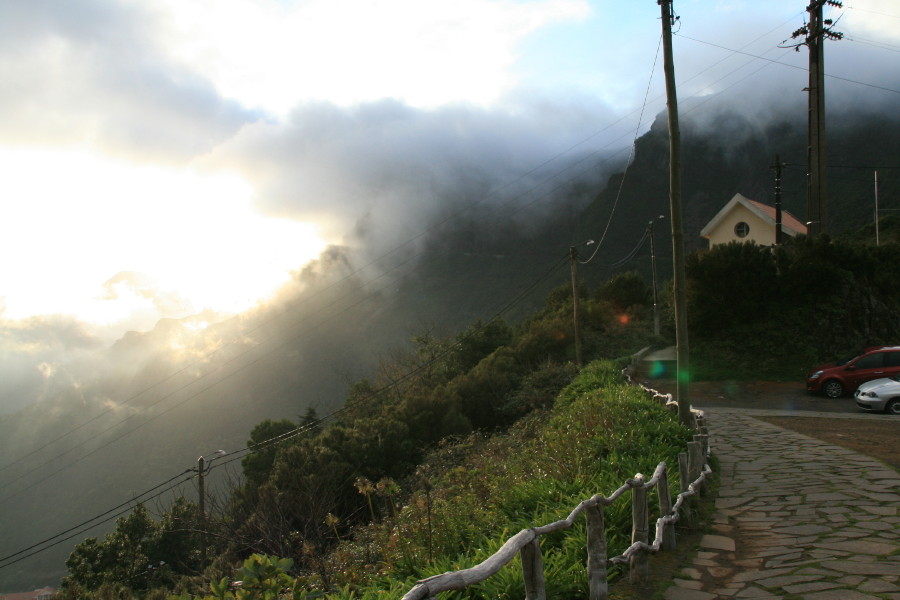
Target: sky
[159,158]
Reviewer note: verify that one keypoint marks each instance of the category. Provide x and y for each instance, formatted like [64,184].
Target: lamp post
[202,468]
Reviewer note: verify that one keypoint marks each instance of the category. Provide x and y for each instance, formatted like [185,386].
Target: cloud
[29,350]
[348,52]
[388,168]
[89,72]
[142,285]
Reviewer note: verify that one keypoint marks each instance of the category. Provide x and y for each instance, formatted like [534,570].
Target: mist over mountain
[126,414]
[119,417]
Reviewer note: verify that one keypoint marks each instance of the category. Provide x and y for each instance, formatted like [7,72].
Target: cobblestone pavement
[796,518]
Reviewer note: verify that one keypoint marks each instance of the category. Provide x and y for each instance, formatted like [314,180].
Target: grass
[473,494]
[600,433]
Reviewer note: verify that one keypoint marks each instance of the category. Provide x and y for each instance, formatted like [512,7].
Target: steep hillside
[141,411]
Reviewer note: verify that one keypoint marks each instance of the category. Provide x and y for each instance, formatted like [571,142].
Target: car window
[892,359]
[844,360]
[870,361]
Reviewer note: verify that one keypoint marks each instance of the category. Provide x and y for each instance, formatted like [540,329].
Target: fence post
[533,570]
[704,440]
[640,531]
[597,551]
[665,508]
[684,476]
[695,461]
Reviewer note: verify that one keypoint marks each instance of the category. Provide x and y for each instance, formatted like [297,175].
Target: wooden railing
[693,471]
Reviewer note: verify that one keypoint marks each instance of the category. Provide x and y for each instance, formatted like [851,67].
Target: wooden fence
[693,471]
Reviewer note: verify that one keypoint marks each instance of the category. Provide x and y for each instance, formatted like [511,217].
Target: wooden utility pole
[877,227]
[815,32]
[815,202]
[779,232]
[573,255]
[653,275]
[682,374]
[201,471]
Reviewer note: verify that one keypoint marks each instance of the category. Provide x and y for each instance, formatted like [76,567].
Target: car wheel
[893,407]
[833,388]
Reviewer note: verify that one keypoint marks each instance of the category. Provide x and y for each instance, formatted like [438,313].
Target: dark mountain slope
[726,154]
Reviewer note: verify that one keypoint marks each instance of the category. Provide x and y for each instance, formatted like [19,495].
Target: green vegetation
[476,492]
[460,442]
[755,313]
[139,554]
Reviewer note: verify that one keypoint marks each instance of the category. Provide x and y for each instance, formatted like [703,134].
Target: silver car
[880,394]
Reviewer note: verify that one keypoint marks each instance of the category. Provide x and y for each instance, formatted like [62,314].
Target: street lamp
[202,468]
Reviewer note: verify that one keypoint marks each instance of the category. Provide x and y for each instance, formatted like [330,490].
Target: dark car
[841,377]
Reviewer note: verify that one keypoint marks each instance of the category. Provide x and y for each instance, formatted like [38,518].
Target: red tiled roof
[28,595]
[787,219]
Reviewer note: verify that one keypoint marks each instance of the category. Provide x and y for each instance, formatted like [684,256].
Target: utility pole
[653,274]
[573,255]
[779,233]
[877,227]
[682,355]
[815,33]
[202,469]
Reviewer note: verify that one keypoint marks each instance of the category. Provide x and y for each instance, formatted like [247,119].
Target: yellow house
[745,220]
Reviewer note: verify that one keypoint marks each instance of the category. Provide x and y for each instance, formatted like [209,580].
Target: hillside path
[796,518]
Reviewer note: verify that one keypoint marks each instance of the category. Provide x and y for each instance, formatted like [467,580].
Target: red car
[842,377]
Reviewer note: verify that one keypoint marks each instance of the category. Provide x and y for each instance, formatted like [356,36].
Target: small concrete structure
[660,363]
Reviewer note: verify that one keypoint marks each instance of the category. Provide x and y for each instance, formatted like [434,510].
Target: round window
[741,229]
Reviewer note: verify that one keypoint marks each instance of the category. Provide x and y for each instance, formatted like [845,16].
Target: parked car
[880,394]
[837,378]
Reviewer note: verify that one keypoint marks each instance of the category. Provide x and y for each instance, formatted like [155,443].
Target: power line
[309,299]
[253,349]
[783,64]
[874,12]
[873,43]
[637,130]
[299,304]
[306,300]
[276,440]
[92,522]
[503,309]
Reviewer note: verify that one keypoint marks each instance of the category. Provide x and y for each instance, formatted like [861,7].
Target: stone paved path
[796,518]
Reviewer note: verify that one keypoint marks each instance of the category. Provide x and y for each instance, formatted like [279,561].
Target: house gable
[745,220]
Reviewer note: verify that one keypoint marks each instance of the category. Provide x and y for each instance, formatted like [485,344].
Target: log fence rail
[693,472]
